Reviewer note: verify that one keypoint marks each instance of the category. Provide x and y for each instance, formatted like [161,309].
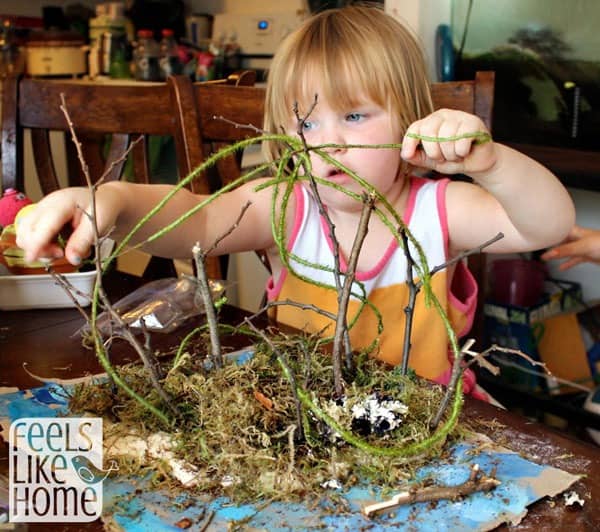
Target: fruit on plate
[23,212]
[11,255]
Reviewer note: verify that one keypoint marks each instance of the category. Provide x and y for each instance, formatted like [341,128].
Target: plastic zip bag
[160,306]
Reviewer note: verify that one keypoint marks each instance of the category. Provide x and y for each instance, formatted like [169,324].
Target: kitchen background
[482,25]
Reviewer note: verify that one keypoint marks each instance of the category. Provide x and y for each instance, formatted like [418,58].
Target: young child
[370,81]
[582,245]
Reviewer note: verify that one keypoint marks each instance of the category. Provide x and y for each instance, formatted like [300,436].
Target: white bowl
[20,292]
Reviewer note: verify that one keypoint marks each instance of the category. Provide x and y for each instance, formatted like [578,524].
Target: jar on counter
[146,57]
[170,64]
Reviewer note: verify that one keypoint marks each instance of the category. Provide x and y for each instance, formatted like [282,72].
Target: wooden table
[44,340]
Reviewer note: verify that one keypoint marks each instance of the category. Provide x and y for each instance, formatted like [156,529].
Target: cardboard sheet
[130,505]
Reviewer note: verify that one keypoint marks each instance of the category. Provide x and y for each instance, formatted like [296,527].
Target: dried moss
[239,427]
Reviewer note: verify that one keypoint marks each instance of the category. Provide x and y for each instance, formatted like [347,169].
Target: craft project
[303,430]
[132,504]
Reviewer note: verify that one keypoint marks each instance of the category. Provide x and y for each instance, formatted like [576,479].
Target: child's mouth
[337,175]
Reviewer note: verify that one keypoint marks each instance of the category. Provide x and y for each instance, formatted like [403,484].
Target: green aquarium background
[546,55]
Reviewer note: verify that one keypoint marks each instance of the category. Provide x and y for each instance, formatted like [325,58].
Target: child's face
[366,123]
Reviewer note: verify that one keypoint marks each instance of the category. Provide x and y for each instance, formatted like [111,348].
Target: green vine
[295,153]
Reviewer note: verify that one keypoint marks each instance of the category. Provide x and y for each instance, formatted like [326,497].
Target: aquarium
[546,55]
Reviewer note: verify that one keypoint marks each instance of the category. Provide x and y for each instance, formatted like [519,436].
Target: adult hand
[582,245]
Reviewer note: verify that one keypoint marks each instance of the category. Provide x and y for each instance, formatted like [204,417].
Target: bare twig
[302,306]
[70,290]
[409,309]
[206,522]
[337,270]
[466,254]
[119,160]
[209,306]
[517,352]
[341,327]
[479,358]
[476,482]
[457,371]
[145,353]
[235,225]
[251,127]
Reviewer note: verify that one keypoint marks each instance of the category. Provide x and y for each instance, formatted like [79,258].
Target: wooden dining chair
[109,119]
[245,106]
[219,109]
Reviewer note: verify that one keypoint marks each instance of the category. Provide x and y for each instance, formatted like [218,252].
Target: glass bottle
[145,57]
[169,56]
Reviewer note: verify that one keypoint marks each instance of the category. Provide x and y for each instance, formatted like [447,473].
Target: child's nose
[334,139]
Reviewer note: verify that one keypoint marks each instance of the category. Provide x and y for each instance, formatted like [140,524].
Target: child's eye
[354,117]
[307,125]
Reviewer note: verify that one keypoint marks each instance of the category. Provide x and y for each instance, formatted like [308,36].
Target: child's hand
[37,231]
[582,245]
[463,152]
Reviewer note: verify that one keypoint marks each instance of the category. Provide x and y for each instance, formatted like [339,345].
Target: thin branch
[341,327]
[209,306]
[302,306]
[149,361]
[146,356]
[477,482]
[251,127]
[466,254]
[337,271]
[409,309]
[70,290]
[119,160]
[478,358]
[234,226]
[525,356]
[455,378]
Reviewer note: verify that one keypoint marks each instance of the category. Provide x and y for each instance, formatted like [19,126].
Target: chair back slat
[114,108]
[475,96]
[44,163]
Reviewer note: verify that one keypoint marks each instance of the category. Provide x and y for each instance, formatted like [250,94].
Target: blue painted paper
[133,506]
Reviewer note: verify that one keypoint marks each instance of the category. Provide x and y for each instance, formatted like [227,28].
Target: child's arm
[119,206]
[518,196]
[582,245]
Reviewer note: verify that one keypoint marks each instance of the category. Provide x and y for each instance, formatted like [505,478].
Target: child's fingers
[410,143]
[549,254]
[465,139]
[429,131]
[80,241]
[38,231]
[449,130]
[34,235]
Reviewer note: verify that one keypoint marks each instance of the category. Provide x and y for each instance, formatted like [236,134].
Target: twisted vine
[294,152]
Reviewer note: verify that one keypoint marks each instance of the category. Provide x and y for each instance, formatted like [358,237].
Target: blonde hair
[351,51]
